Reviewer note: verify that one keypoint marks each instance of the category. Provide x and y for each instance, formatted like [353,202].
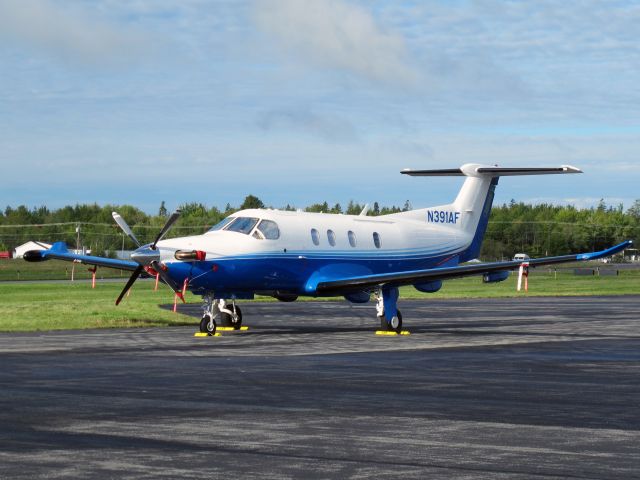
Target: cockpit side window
[220,225]
[242,225]
[269,229]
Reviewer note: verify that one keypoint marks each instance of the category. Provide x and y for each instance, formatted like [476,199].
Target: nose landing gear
[230,315]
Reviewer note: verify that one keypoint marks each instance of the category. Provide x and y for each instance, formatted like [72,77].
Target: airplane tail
[469,212]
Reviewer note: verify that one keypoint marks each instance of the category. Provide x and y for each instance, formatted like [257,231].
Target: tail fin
[469,212]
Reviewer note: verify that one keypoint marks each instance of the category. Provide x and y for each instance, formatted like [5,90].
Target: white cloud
[337,34]
[68,33]
[328,127]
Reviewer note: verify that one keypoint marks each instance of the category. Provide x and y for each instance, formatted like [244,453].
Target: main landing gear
[230,315]
[387,309]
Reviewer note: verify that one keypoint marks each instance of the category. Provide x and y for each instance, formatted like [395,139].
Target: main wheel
[396,323]
[208,324]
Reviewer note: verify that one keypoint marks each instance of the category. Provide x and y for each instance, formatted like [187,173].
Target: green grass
[52,306]
[49,306]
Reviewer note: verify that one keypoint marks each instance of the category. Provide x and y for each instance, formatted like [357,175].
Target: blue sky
[304,101]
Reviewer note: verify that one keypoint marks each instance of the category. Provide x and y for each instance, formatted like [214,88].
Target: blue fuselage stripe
[289,272]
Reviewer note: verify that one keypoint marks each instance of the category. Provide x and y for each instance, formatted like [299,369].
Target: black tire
[204,325]
[225,320]
[237,324]
[384,325]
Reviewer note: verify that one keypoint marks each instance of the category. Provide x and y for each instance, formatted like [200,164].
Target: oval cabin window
[352,238]
[315,236]
[331,237]
[376,239]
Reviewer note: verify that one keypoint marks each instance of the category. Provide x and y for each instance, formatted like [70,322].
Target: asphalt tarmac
[513,388]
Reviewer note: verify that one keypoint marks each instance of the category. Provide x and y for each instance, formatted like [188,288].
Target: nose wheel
[208,324]
[233,319]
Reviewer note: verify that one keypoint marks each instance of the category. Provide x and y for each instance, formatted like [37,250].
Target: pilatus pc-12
[290,254]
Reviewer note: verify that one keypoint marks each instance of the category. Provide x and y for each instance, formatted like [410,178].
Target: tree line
[538,230]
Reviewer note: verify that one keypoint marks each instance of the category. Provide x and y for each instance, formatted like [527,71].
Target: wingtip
[571,169]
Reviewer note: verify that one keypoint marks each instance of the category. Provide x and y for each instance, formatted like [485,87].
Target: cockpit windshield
[267,229]
[242,225]
[220,225]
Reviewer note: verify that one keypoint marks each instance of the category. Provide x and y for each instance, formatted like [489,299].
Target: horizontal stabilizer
[503,172]
[443,172]
[474,170]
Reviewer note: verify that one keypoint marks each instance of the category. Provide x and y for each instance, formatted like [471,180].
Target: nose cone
[145,255]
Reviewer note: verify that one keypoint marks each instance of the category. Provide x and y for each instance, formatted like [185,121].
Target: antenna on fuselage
[364,211]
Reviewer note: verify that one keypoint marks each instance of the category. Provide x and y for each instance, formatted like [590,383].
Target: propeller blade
[134,276]
[125,228]
[172,219]
[167,279]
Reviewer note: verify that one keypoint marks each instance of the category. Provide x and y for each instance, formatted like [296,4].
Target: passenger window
[352,238]
[269,229]
[331,237]
[376,239]
[315,236]
[242,225]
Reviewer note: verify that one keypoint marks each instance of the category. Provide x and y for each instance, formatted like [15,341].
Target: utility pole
[73,265]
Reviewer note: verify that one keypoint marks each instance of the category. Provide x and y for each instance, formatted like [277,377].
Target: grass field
[66,305]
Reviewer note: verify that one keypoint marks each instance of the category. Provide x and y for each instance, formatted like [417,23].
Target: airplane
[288,254]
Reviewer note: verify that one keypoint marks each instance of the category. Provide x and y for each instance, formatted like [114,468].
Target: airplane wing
[59,251]
[397,279]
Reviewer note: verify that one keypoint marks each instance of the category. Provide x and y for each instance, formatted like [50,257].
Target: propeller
[172,219]
[148,256]
[125,228]
[134,276]
[162,271]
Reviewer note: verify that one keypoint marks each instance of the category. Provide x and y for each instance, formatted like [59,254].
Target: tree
[376,208]
[353,208]
[634,210]
[318,208]
[251,201]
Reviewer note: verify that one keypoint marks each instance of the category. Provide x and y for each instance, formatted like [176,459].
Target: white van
[521,257]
